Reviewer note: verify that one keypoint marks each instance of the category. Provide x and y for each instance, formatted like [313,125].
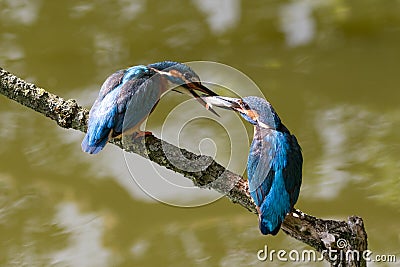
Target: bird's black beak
[194,87]
[200,87]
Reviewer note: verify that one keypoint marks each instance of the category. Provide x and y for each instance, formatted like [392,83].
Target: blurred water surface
[330,68]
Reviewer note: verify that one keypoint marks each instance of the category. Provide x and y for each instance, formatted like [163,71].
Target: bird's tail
[266,226]
[93,148]
[273,211]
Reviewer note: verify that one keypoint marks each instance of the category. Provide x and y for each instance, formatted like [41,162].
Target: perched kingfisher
[138,88]
[274,166]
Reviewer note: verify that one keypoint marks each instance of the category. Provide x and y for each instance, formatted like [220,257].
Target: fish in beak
[224,102]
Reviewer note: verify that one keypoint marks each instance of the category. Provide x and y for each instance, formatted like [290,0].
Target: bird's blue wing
[276,177]
[142,102]
[260,172]
[293,170]
[111,83]
[101,122]
[106,115]
[102,113]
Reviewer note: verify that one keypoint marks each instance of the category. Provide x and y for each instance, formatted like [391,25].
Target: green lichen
[40,92]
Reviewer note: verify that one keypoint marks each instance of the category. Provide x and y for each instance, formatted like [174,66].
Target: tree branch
[323,235]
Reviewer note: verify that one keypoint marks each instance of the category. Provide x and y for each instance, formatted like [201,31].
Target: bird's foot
[258,210]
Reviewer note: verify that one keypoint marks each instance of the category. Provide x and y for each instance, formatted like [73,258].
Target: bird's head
[182,75]
[255,110]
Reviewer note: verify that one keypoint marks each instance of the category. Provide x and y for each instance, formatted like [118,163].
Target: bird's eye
[243,104]
[187,76]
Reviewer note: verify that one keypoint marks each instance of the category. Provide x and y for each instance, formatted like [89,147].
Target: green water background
[330,68]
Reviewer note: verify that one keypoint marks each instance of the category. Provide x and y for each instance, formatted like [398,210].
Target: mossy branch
[320,234]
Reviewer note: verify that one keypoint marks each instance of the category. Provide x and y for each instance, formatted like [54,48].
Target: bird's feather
[293,170]
[142,102]
[274,173]
[106,117]
[111,83]
[259,163]
[101,122]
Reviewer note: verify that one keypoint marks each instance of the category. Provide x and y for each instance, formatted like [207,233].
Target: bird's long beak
[200,87]
[193,87]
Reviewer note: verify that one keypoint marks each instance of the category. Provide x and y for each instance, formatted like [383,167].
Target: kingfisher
[138,88]
[274,165]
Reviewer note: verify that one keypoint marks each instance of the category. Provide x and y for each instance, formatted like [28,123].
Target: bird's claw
[258,210]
